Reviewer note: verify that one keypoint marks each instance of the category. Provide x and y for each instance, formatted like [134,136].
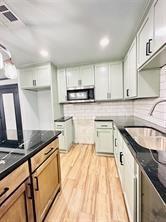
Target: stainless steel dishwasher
[152,207]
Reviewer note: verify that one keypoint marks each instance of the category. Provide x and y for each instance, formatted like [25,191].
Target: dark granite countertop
[63,119]
[156,172]
[33,141]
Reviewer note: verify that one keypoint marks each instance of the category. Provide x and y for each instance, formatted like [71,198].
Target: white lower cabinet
[130,187]
[127,170]
[104,137]
[66,136]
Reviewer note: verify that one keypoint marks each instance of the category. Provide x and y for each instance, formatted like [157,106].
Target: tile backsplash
[84,114]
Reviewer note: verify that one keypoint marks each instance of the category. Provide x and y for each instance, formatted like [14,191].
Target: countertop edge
[25,158]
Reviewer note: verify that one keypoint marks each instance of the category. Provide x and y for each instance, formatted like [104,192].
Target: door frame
[5,89]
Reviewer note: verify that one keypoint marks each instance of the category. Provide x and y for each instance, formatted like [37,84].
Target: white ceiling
[71,29]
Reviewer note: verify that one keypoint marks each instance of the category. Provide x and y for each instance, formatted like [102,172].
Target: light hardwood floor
[91,190]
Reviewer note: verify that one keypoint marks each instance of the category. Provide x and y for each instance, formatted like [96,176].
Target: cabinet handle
[80,82]
[59,126]
[62,132]
[150,40]
[48,151]
[108,95]
[34,82]
[29,191]
[147,49]
[37,184]
[127,92]
[104,125]
[115,142]
[4,191]
[121,158]
[97,134]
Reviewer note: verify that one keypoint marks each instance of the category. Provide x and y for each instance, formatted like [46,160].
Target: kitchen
[83,111]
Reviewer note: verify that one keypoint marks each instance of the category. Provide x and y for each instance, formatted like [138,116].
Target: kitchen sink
[148,138]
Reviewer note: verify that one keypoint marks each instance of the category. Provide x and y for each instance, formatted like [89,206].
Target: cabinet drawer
[59,126]
[40,157]
[104,125]
[13,180]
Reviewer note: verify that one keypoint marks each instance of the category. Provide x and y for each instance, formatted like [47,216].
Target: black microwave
[80,94]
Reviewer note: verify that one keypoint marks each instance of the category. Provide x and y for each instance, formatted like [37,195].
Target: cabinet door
[130,183]
[62,91]
[87,75]
[116,79]
[145,39]
[14,209]
[126,77]
[104,141]
[102,82]
[116,150]
[120,159]
[46,181]
[159,23]
[73,77]
[43,76]
[132,71]
[27,78]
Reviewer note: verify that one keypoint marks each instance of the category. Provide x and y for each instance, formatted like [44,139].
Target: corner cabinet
[104,137]
[107,76]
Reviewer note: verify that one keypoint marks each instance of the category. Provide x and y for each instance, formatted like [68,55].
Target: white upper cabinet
[62,91]
[130,72]
[73,77]
[116,80]
[78,77]
[145,39]
[87,75]
[102,82]
[152,37]
[35,77]
[27,78]
[43,76]
[159,9]
[108,81]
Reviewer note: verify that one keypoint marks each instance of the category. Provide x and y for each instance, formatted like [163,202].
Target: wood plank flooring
[91,190]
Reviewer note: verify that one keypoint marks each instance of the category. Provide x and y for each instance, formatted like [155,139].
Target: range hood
[156,61]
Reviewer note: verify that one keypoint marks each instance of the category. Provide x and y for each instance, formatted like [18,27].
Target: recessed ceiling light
[104,42]
[44,53]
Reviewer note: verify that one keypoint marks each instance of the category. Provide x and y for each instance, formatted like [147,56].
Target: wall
[142,107]
[84,115]
[29,109]
[44,110]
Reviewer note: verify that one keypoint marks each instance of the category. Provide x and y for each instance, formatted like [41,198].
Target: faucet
[153,108]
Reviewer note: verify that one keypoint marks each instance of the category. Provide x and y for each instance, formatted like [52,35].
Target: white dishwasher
[65,125]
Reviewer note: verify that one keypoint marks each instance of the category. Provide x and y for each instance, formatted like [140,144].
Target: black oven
[80,94]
